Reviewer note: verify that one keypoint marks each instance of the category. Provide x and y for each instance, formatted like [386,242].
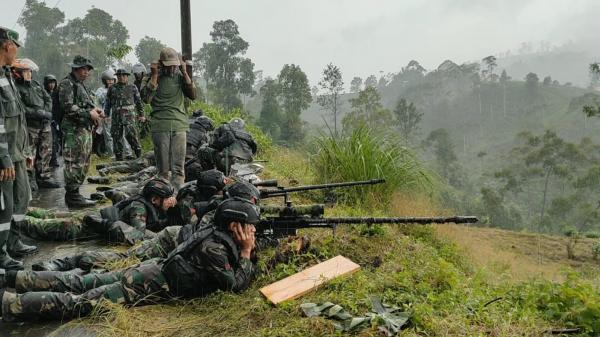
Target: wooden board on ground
[300,283]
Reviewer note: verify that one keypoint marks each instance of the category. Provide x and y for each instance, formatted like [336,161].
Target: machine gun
[284,192]
[276,227]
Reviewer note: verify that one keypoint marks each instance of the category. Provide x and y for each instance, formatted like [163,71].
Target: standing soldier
[166,90]
[14,185]
[79,115]
[123,100]
[139,72]
[51,86]
[102,142]
[38,113]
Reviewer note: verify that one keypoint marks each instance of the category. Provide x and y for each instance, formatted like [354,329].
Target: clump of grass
[363,154]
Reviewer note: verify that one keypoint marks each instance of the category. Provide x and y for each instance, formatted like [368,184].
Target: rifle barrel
[306,222]
[284,191]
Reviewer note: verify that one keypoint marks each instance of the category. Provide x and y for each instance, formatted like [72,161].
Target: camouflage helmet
[108,74]
[80,62]
[138,68]
[238,210]
[169,57]
[158,187]
[237,123]
[244,190]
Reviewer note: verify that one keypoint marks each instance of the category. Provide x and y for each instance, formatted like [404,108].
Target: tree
[504,78]
[270,113]
[333,85]
[593,110]
[356,84]
[296,97]
[407,118]
[490,63]
[148,50]
[594,75]
[42,42]
[371,81]
[367,110]
[445,156]
[93,35]
[547,81]
[227,73]
[545,157]
[532,80]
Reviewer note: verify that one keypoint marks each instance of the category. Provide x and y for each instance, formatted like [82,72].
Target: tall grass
[363,154]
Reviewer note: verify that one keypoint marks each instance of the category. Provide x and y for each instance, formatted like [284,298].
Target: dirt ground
[522,255]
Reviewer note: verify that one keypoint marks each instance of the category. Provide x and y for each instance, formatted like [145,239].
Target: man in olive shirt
[166,91]
[14,157]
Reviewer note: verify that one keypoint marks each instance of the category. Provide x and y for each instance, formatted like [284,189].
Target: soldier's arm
[139,106]
[30,112]
[136,216]
[229,277]
[189,89]
[66,98]
[5,160]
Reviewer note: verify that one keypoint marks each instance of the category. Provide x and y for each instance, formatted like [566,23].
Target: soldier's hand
[7,174]
[29,162]
[142,119]
[95,116]
[169,202]
[245,237]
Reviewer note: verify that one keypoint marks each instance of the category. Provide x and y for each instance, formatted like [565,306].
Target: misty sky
[362,37]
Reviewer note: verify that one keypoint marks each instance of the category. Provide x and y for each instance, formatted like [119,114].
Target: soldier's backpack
[187,279]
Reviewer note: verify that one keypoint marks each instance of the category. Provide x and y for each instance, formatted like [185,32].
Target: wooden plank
[300,283]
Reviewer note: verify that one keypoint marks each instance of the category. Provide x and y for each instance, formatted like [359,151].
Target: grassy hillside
[428,271]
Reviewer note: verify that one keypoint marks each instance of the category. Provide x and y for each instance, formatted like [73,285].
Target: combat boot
[74,199]
[48,183]
[7,262]
[32,181]
[15,246]
[138,152]
[95,223]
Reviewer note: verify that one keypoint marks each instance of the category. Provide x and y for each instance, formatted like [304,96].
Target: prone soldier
[221,256]
[233,144]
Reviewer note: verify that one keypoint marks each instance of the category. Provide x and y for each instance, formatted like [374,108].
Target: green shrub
[596,250]
[363,154]
[592,235]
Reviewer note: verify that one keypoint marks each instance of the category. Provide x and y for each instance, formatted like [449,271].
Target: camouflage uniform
[15,194]
[38,112]
[75,104]
[43,224]
[122,100]
[216,265]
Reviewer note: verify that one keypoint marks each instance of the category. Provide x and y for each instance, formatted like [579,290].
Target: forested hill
[481,113]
